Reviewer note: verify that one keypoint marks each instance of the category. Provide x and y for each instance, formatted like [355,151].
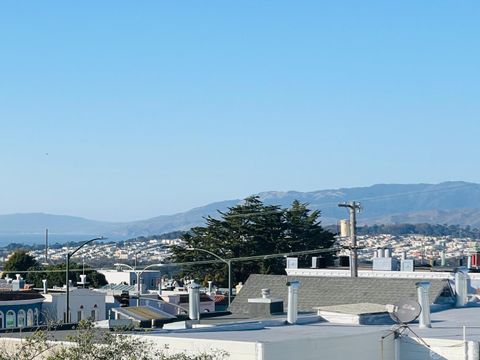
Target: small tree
[20,260]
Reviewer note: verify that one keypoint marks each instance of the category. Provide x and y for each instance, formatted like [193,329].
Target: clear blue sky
[154,107]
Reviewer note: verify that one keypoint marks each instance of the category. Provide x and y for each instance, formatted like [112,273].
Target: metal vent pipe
[460,289]
[292,310]
[424,301]
[194,301]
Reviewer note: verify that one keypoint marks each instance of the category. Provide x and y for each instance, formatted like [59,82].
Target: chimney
[83,279]
[381,252]
[265,293]
[210,286]
[19,277]
[375,254]
[461,289]
[45,286]
[424,301]
[194,301]
[404,255]
[388,252]
[469,261]
[442,258]
[292,310]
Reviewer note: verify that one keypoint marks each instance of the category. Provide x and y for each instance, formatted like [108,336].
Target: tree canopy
[20,260]
[249,229]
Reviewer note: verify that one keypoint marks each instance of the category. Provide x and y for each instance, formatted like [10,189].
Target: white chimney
[292,310]
[424,301]
[461,289]
[18,276]
[404,255]
[45,286]
[194,301]
[469,261]
[442,258]
[388,252]
[210,286]
[381,252]
[83,279]
[265,293]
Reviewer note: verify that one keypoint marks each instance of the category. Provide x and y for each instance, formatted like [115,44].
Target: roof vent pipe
[194,301]
[292,310]
[460,289]
[45,286]
[442,258]
[265,293]
[18,276]
[424,301]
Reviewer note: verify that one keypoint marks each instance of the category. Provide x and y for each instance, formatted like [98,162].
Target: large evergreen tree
[249,229]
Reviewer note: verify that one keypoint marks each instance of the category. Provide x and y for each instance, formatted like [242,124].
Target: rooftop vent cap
[266,293]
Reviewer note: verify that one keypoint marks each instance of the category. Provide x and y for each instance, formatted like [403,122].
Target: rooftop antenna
[403,313]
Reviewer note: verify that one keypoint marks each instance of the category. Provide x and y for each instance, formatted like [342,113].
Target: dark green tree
[20,260]
[249,229]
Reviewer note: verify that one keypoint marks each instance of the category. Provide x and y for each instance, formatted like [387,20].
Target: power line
[201,262]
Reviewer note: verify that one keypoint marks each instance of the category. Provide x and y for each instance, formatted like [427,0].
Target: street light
[139,274]
[228,262]
[67,277]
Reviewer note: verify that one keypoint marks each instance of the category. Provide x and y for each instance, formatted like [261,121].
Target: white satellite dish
[405,311]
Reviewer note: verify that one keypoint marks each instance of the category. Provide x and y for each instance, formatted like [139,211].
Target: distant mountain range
[456,203]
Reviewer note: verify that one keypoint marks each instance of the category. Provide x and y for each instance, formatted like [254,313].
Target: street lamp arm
[85,243]
[125,265]
[150,266]
[209,252]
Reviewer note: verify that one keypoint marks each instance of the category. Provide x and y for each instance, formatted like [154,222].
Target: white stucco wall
[54,304]
[367,346]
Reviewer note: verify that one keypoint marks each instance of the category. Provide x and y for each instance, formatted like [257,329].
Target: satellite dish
[404,311]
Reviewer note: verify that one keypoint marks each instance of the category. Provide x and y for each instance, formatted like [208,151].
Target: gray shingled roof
[325,291]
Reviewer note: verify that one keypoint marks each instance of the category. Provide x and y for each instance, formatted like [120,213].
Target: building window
[94,316]
[10,319]
[35,316]
[21,318]
[29,317]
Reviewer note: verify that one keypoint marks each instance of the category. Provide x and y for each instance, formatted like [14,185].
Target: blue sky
[154,107]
